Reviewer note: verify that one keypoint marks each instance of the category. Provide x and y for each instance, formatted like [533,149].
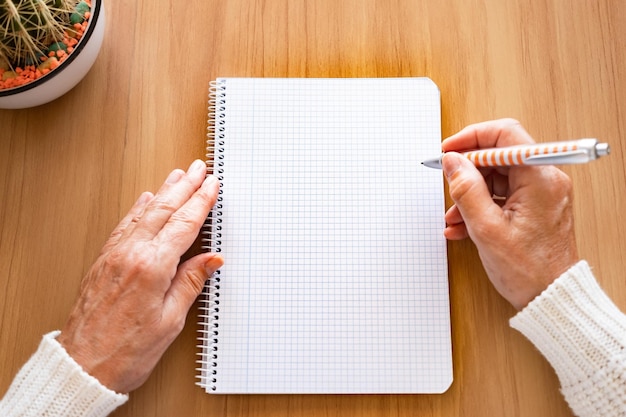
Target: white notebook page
[335,278]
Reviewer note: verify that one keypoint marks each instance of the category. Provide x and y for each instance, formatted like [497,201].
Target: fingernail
[197,165]
[174,176]
[213,264]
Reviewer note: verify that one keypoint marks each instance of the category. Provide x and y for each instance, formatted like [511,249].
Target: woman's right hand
[525,235]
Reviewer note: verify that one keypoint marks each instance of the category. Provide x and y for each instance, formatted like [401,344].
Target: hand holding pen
[525,238]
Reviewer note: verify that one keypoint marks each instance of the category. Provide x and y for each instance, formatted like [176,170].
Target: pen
[555,153]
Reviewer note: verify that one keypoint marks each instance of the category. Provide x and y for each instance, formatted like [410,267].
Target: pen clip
[571,157]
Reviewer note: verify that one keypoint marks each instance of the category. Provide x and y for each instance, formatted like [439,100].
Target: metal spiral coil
[211,238]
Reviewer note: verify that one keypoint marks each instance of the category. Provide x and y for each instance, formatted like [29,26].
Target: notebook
[335,275]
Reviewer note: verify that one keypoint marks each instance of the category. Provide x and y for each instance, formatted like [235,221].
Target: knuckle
[178,324]
[566,183]
[115,260]
[515,132]
[186,223]
[510,122]
[460,186]
[141,261]
[133,261]
[559,184]
[164,203]
[172,325]
[207,197]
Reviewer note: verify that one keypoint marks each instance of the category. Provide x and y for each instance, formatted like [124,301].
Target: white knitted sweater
[583,335]
[52,384]
[573,323]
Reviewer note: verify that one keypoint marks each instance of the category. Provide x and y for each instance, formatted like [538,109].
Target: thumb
[190,278]
[468,189]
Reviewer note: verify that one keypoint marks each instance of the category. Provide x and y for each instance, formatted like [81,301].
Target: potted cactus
[46,48]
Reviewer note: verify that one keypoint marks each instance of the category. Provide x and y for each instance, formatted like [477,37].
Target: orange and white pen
[555,153]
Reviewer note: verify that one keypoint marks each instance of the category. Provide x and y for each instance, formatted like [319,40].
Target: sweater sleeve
[581,332]
[51,384]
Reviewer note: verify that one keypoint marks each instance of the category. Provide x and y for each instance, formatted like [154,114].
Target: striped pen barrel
[555,153]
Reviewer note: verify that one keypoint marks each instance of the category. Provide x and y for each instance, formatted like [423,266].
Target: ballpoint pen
[555,153]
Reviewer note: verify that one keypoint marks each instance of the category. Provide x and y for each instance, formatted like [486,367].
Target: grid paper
[335,275]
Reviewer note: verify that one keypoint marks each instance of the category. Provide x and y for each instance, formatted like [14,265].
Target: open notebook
[335,278]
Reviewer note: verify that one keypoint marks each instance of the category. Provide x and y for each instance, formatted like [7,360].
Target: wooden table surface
[69,170]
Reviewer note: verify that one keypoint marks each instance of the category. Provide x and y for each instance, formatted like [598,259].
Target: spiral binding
[208,316]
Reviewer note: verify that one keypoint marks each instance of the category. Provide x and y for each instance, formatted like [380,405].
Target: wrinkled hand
[134,299]
[524,241]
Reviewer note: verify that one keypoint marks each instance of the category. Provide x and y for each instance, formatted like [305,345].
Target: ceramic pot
[69,73]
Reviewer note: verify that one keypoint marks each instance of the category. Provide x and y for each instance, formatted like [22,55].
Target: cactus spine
[28,27]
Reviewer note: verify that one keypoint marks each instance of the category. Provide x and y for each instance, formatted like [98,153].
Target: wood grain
[70,169]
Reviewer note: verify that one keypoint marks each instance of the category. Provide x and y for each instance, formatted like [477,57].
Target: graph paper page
[335,278]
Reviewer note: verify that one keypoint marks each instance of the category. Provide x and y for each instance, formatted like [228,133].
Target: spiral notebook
[335,275]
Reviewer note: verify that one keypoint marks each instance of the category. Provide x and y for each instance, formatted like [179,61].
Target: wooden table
[69,170]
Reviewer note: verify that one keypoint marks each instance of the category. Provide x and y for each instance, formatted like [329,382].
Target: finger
[456,232]
[453,216]
[128,222]
[469,190]
[500,185]
[173,194]
[189,282]
[183,226]
[490,134]
[455,226]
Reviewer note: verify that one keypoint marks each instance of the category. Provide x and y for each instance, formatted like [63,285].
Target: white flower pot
[69,73]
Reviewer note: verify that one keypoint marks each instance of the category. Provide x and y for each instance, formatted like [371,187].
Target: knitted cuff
[579,330]
[51,383]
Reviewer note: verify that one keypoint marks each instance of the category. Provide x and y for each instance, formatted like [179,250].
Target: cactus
[28,27]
